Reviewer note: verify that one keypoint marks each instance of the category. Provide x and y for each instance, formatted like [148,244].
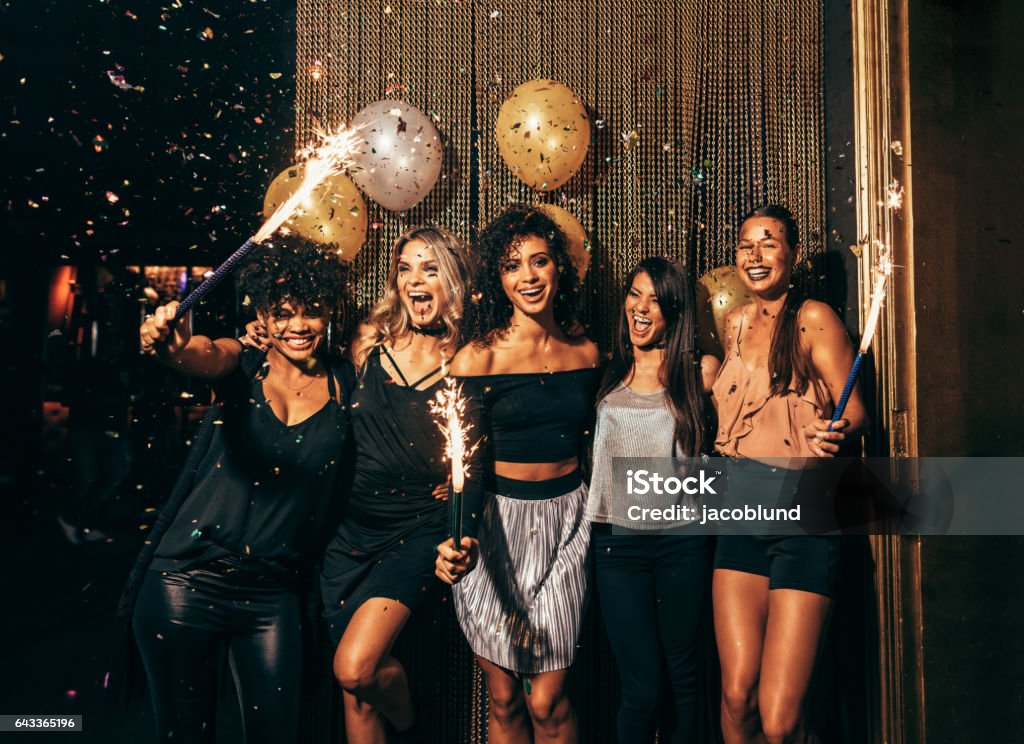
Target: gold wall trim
[881,82]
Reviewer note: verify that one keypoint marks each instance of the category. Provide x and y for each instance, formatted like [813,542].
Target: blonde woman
[381,558]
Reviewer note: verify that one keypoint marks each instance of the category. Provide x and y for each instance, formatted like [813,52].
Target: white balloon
[400,158]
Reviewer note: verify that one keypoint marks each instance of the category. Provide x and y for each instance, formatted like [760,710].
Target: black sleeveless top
[399,447]
[263,488]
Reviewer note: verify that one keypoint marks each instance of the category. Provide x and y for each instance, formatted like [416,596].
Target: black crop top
[532,417]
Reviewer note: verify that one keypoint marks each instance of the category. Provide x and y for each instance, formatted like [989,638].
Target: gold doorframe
[881,80]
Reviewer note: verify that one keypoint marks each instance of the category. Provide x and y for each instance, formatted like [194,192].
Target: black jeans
[182,623]
[652,591]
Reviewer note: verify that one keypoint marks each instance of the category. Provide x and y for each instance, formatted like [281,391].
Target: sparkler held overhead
[330,155]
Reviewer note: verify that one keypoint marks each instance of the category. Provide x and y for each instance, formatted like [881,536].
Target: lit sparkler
[330,155]
[883,269]
[449,406]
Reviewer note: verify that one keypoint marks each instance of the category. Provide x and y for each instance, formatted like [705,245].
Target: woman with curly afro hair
[231,553]
[519,576]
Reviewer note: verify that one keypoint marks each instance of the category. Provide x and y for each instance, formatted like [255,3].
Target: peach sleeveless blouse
[752,422]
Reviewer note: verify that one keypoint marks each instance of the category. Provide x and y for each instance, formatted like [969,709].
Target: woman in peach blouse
[786,362]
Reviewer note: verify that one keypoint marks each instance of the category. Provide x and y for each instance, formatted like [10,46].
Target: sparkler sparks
[883,269]
[449,406]
[331,155]
[894,196]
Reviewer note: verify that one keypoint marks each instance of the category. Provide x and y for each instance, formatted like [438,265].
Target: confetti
[119,81]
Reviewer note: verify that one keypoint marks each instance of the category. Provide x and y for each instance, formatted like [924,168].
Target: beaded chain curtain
[700,111]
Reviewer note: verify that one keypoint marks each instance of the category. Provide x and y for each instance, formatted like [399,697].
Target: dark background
[171,171]
[189,158]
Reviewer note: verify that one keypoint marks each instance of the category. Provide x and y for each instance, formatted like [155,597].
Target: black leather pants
[182,623]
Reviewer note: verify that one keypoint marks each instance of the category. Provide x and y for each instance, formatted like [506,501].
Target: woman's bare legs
[514,714]
[508,720]
[550,709]
[767,642]
[796,620]
[374,681]
[741,615]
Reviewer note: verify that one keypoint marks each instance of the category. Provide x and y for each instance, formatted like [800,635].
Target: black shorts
[809,563]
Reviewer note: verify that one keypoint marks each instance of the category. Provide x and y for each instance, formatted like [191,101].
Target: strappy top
[383,350]
[399,448]
[756,424]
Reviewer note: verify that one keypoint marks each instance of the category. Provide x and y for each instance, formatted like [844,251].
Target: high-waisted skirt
[522,606]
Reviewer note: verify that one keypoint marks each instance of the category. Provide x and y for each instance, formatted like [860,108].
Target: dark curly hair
[288,267]
[489,311]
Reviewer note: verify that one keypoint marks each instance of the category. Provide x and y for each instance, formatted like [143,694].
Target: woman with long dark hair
[653,403]
[520,574]
[787,358]
[233,550]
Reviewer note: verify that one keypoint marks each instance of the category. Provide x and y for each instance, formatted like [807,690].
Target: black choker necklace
[436,332]
[658,345]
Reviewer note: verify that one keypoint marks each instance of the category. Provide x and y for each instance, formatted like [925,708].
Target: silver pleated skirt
[522,606]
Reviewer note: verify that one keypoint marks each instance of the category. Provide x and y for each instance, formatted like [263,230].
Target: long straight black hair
[684,384]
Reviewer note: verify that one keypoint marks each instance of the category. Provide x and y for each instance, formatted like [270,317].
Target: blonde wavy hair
[389,318]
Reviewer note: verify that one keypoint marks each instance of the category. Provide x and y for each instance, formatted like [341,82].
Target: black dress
[386,542]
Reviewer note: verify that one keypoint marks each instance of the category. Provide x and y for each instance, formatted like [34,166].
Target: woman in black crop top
[232,550]
[520,577]
[380,561]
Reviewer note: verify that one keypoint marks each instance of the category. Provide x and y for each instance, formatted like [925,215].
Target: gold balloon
[579,243]
[334,213]
[718,292]
[543,132]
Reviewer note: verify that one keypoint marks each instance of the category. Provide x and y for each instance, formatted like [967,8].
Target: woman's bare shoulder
[817,318]
[585,352]
[472,360]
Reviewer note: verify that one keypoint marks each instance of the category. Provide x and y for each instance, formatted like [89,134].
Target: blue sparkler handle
[850,382]
[214,279]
